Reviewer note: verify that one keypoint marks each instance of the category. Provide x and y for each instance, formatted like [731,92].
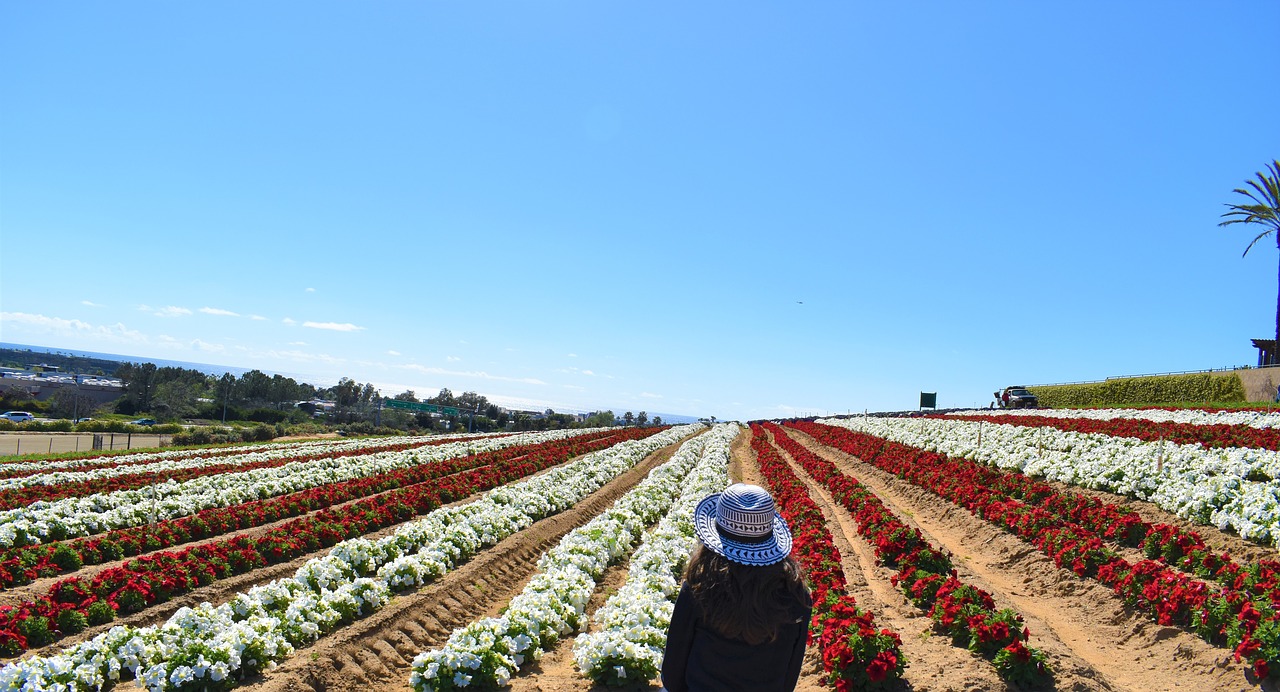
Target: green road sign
[410,406]
[415,406]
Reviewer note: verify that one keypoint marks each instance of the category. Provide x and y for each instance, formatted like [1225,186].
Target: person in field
[741,620]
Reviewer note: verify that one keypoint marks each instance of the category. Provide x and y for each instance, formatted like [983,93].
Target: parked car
[17,416]
[142,421]
[86,419]
[1017,396]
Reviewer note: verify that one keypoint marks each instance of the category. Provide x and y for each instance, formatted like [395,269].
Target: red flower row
[855,653]
[23,565]
[372,447]
[1217,435]
[1061,528]
[72,604]
[12,498]
[925,574]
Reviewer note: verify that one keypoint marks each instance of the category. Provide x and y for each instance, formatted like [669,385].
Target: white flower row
[213,646]
[209,455]
[488,652]
[1231,488]
[631,627]
[43,521]
[163,466]
[1253,419]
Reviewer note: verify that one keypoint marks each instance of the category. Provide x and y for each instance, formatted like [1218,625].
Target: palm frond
[1261,235]
[1265,207]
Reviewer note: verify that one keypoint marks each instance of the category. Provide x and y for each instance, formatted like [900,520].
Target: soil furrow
[451,602]
[933,663]
[1129,651]
[19,594]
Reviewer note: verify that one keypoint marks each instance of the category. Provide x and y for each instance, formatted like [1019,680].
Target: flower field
[979,550]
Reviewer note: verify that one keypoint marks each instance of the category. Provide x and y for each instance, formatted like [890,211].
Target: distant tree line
[176,393]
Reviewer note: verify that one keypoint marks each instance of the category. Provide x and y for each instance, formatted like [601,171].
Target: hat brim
[768,552]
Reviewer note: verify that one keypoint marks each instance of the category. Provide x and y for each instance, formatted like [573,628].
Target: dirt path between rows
[376,653]
[18,595]
[1127,650]
[1093,642]
[933,663]
[218,592]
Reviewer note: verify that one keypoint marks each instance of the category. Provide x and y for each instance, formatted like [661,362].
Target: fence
[53,443]
[1228,368]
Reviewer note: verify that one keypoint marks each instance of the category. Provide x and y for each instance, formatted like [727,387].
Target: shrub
[72,622]
[100,613]
[66,558]
[194,436]
[259,433]
[36,630]
[1163,389]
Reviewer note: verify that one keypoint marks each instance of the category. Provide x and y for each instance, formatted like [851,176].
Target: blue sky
[739,209]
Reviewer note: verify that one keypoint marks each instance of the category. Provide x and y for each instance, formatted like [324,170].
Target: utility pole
[227,383]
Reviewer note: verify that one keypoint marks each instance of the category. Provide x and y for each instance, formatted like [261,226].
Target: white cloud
[478,374]
[257,318]
[577,371]
[297,343]
[304,357]
[650,395]
[219,311]
[207,347]
[92,304]
[289,321]
[452,359]
[43,324]
[393,353]
[573,355]
[333,326]
[168,311]
[311,290]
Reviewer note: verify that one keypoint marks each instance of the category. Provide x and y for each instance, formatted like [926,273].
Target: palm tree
[1264,210]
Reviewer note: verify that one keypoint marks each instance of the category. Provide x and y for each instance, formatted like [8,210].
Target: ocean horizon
[211,369]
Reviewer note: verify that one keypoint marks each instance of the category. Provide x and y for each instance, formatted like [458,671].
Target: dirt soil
[1092,641]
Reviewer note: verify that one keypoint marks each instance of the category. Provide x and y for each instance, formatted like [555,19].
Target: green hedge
[212,435]
[1204,387]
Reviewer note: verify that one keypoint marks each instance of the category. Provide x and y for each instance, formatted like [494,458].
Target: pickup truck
[1016,396]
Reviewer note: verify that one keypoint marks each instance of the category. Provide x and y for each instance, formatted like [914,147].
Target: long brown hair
[745,602]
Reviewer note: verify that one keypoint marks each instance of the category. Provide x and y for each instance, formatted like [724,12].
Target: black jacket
[700,660]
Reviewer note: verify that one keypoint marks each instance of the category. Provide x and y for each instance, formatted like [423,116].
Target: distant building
[43,381]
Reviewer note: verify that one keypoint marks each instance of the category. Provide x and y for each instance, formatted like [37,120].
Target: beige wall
[1260,383]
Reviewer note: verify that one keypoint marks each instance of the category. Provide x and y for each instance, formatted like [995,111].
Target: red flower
[1020,652]
[884,663]
[1261,669]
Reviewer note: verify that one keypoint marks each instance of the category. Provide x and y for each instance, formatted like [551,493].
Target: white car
[17,416]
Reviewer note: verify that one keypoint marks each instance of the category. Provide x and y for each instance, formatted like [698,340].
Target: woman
[741,620]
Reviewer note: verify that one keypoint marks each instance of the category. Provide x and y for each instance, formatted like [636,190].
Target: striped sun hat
[742,525]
